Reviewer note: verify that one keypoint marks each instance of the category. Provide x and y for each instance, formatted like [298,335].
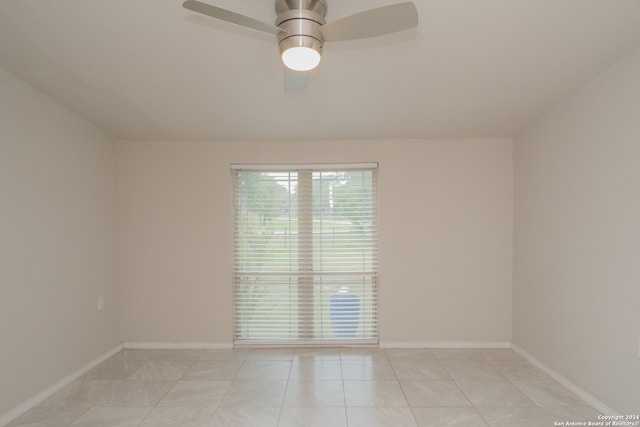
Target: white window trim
[373,275]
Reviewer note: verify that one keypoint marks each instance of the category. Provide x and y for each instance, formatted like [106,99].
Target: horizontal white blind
[305,254]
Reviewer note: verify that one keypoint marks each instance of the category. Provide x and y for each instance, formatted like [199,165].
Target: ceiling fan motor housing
[301,19]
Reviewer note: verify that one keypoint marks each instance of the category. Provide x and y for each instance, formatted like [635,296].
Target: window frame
[307,279]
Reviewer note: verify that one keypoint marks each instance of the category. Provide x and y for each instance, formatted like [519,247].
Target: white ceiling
[151,70]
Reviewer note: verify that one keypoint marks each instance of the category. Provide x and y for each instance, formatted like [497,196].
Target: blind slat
[305,253]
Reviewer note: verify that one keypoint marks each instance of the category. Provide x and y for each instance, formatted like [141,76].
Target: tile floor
[311,387]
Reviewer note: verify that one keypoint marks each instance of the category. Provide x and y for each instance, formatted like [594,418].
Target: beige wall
[58,244]
[445,235]
[577,233]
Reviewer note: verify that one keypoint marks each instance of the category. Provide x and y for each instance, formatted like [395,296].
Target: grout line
[404,394]
[52,389]
[578,391]
[286,388]
[344,390]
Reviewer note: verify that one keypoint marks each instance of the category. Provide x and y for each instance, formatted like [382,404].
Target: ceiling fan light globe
[301,58]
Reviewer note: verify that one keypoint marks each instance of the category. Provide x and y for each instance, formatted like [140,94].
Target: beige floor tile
[161,370]
[410,354]
[116,368]
[317,354]
[176,355]
[548,393]
[112,417]
[304,387]
[494,393]
[478,354]
[374,393]
[433,393]
[49,416]
[380,417]
[448,416]
[135,354]
[135,393]
[271,354]
[210,370]
[195,393]
[293,416]
[246,417]
[516,416]
[495,354]
[376,369]
[572,413]
[311,369]
[458,353]
[314,393]
[519,370]
[179,417]
[224,354]
[79,393]
[419,370]
[264,370]
[471,370]
[255,393]
[359,354]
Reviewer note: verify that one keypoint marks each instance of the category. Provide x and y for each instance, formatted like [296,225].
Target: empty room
[276,213]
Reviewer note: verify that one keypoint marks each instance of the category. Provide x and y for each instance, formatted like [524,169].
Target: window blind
[305,251]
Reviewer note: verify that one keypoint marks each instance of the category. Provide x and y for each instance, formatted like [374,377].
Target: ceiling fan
[301,29]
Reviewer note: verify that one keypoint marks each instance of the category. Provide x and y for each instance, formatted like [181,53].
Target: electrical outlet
[100,302]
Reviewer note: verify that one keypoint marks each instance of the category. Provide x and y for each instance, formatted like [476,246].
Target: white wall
[445,235]
[577,238]
[58,243]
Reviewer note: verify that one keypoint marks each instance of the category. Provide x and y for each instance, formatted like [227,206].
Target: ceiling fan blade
[227,15]
[295,81]
[373,22]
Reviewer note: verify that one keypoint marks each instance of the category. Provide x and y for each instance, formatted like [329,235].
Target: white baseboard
[49,391]
[152,345]
[445,344]
[578,391]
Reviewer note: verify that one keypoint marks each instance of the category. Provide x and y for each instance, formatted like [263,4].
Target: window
[305,253]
